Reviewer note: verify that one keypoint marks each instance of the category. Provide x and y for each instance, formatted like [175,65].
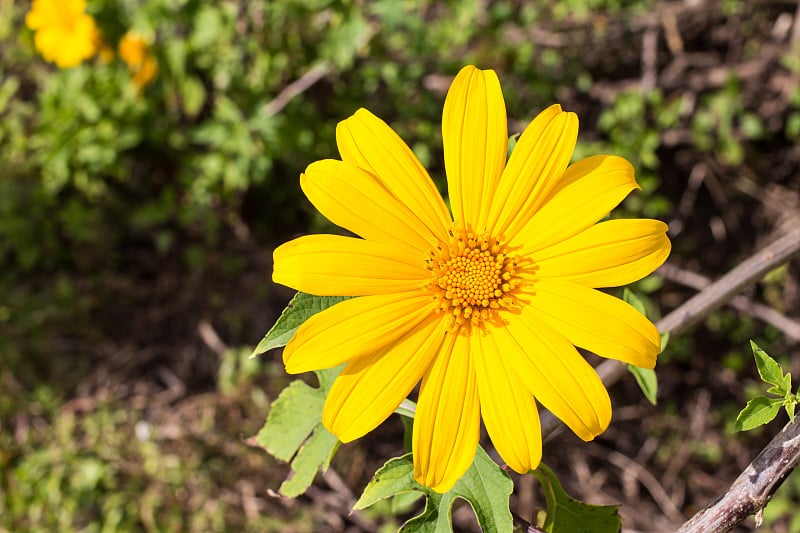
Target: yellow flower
[65,34]
[133,50]
[486,306]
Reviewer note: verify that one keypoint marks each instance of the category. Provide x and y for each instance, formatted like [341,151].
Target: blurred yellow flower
[485,306]
[64,33]
[134,51]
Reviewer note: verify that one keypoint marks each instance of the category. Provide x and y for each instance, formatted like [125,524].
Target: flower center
[472,279]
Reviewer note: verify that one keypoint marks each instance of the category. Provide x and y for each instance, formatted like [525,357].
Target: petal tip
[441,486]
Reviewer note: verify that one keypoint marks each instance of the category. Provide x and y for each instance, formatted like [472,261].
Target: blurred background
[143,190]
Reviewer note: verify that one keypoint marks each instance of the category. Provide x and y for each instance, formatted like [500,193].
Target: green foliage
[167,158]
[236,368]
[566,515]
[716,127]
[105,466]
[758,411]
[298,310]
[645,377]
[647,381]
[294,432]
[763,409]
[485,486]
[634,123]
[640,136]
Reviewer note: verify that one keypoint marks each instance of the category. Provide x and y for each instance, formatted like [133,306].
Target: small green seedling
[763,409]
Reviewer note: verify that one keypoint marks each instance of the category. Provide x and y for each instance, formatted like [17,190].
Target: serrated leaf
[647,380]
[567,515]
[769,369]
[758,411]
[485,486]
[394,477]
[314,455]
[299,309]
[294,431]
[292,417]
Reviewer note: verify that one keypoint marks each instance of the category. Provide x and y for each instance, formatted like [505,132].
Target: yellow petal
[597,322]
[370,388]
[587,192]
[447,422]
[356,200]
[534,168]
[368,142]
[352,329]
[36,18]
[57,13]
[556,374]
[608,254]
[507,406]
[333,265]
[475,138]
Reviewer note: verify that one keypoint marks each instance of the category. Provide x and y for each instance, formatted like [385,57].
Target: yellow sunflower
[65,34]
[485,306]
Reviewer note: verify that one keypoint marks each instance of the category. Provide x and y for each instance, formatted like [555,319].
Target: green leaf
[404,502]
[769,369]
[294,431]
[647,380]
[645,377]
[292,418]
[299,309]
[567,515]
[193,95]
[394,477]
[664,340]
[485,486]
[637,303]
[326,378]
[790,403]
[314,455]
[758,411]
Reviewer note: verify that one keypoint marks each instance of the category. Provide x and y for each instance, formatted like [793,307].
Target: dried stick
[753,488]
[308,79]
[790,328]
[297,87]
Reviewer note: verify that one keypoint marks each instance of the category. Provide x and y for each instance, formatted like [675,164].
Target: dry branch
[754,487]
[790,328]
[297,87]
